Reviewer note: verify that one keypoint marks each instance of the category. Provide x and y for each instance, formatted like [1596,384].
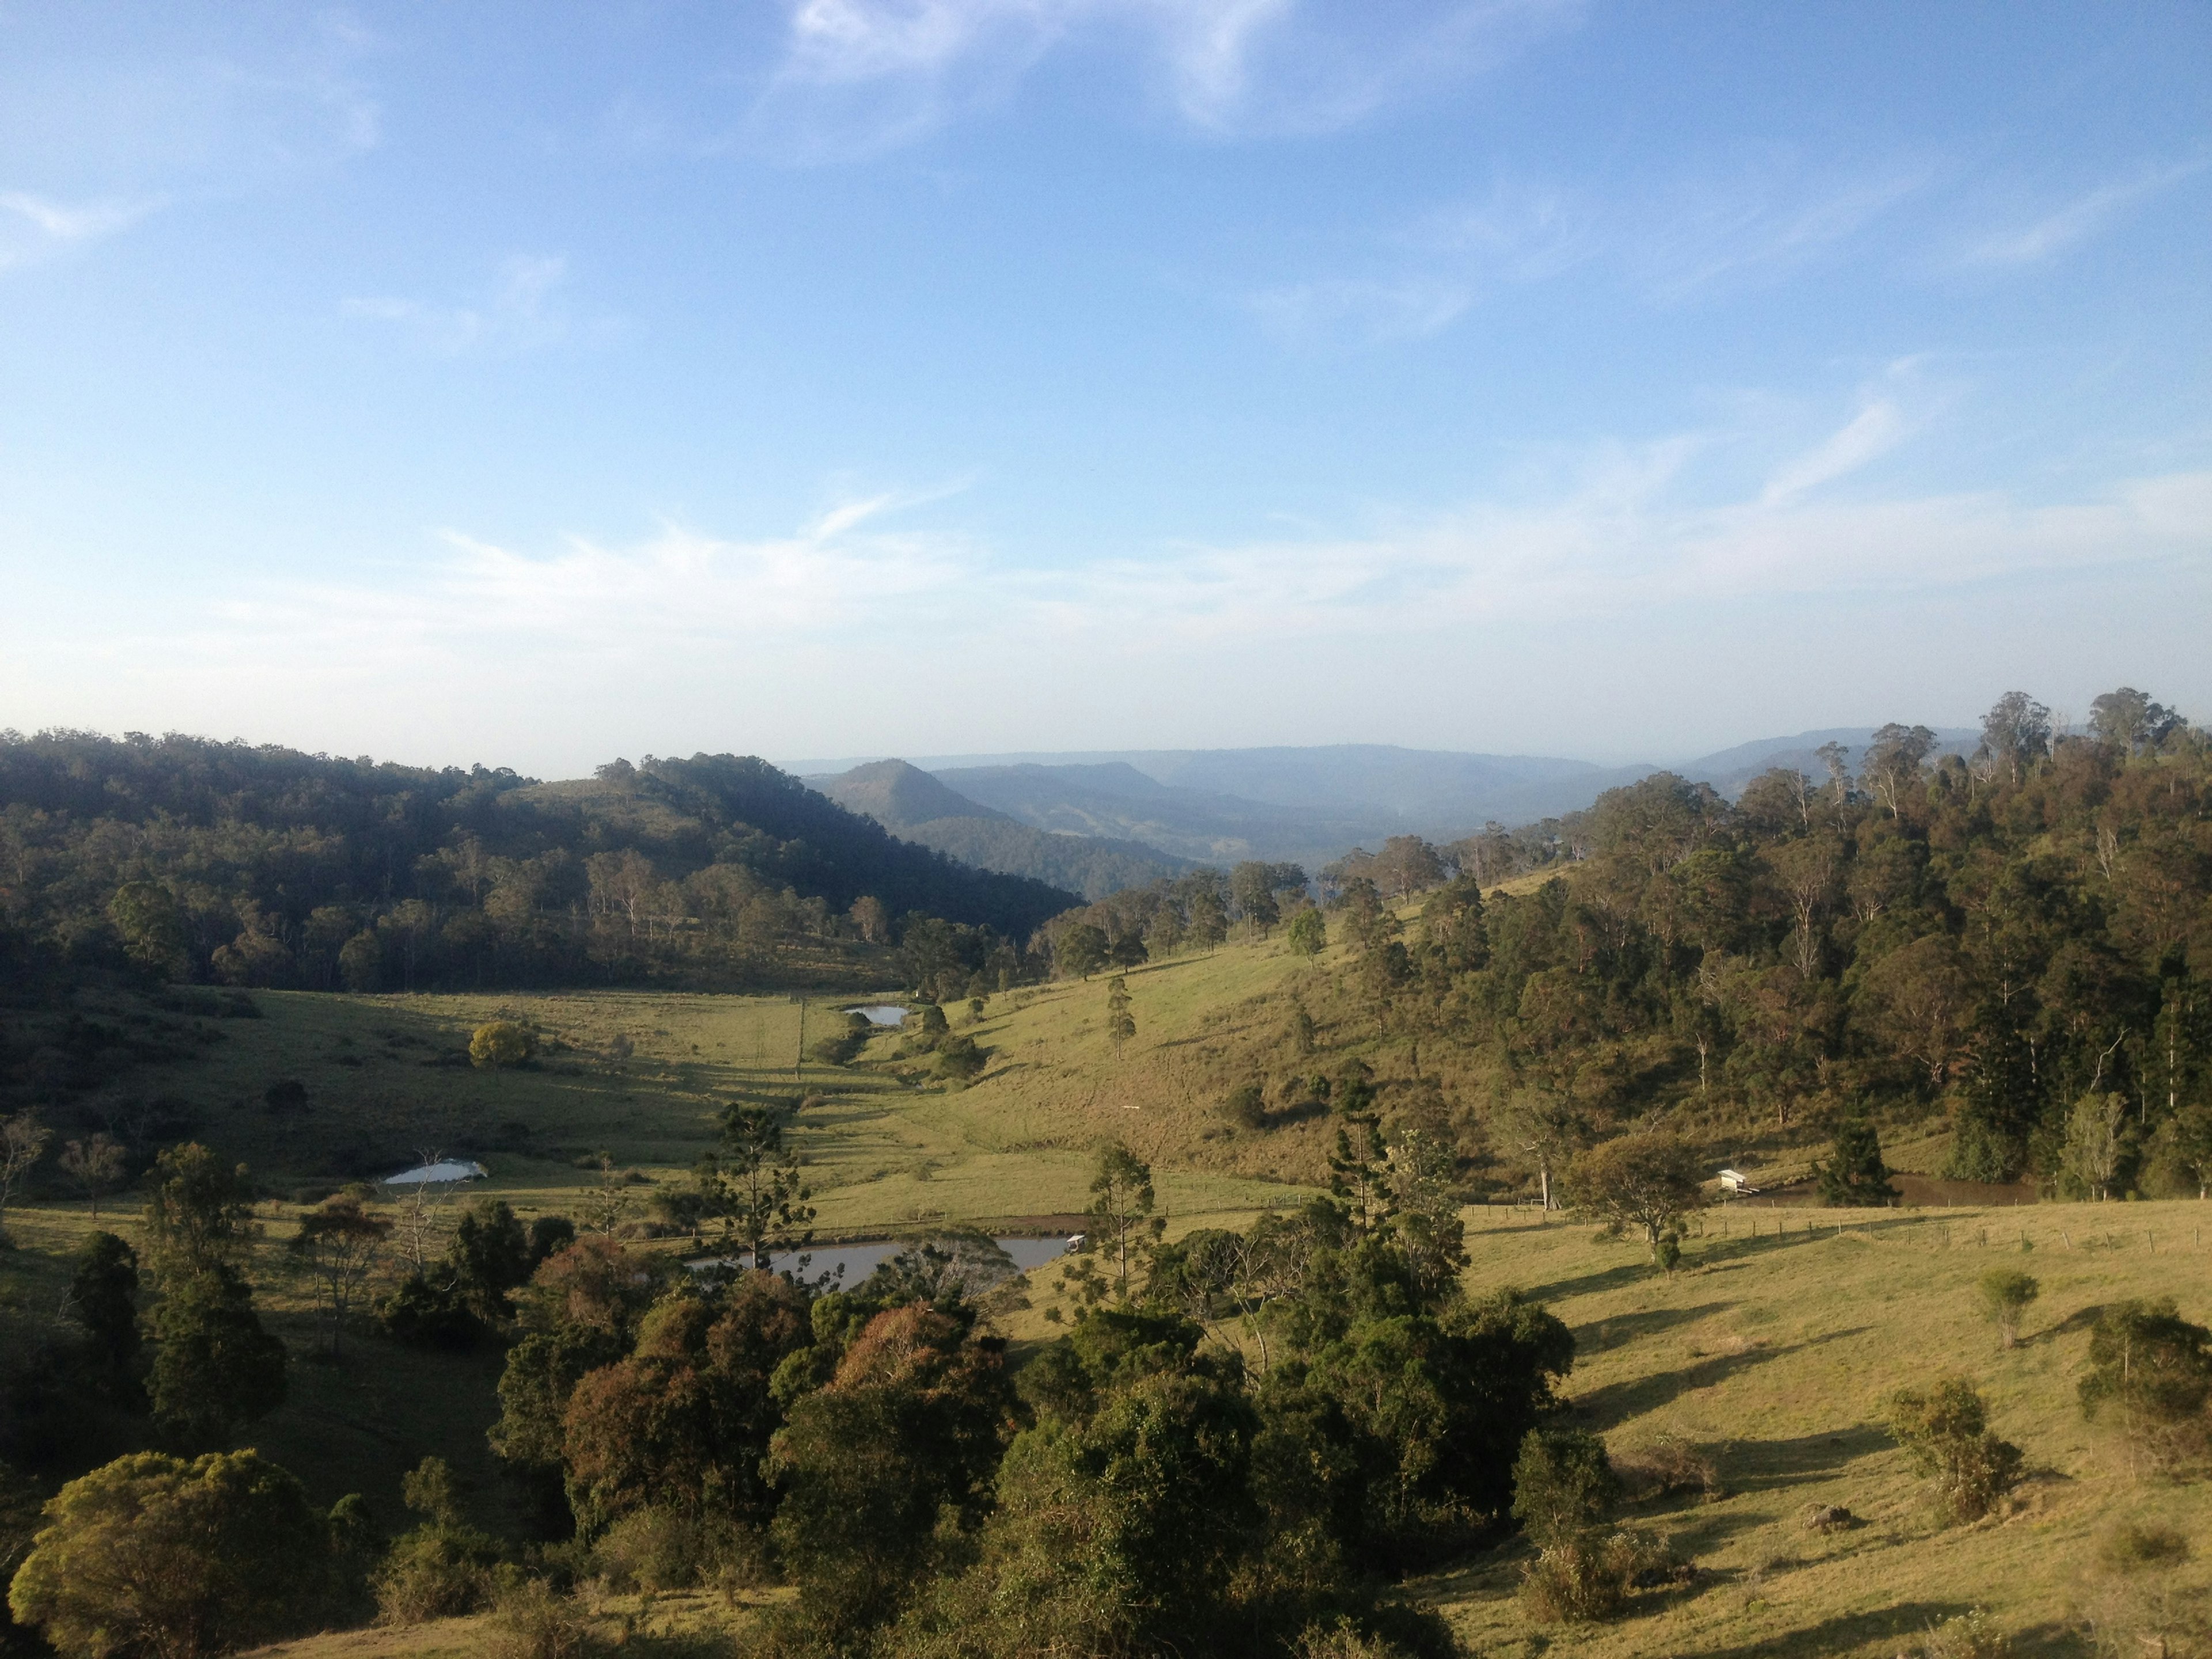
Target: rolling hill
[1312,804]
[917,807]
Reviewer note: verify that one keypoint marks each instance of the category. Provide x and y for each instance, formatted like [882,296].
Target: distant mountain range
[1097,822]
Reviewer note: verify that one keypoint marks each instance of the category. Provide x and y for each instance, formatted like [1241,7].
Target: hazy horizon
[534,384]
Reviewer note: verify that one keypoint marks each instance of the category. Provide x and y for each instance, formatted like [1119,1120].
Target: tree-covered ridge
[263,865]
[2022,938]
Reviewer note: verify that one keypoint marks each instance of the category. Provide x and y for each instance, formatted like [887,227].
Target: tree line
[226,863]
[2020,938]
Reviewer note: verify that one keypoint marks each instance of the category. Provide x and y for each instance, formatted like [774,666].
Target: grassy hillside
[387,1081]
[1770,1356]
[1767,1354]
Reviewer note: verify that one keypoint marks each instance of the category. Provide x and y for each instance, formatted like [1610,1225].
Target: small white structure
[1736,1181]
[442,1173]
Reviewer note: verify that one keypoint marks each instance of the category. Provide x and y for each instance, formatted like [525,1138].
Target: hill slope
[920,808]
[267,866]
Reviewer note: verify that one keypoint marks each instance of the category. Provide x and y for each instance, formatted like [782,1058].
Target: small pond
[858,1261]
[880,1013]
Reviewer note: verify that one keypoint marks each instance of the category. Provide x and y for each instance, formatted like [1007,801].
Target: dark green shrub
[651,1548]
[534,1620]
[960,1059]
[426,1315]
[2006,1294]
[2155,1369]
[444,1566]
[1854,1174]
[1587,1579]
[1945,1431]
[1563,1485]
[2135,1546]
[1247,1106]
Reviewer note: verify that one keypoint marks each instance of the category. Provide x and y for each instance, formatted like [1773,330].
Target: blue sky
[535,383]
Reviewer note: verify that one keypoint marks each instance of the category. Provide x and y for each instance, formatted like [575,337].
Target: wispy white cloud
[859,76]
[1365,313]
[31,226]
[523,313]
[1669,241]
[1596,554]
[679,591]
[95,143]
[862,628]
[1704,233]
[1624,529]
[1872,433]
[2079,219]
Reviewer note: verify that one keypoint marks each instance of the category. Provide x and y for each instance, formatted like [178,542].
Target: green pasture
[1771,1354]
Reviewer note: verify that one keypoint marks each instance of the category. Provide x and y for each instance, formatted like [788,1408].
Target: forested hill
[2014,944]
[263,865]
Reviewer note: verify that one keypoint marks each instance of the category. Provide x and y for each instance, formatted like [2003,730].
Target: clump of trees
[460,1300]
[2152,1369]
[1945,1431]
[1237,1438]
[153,1555]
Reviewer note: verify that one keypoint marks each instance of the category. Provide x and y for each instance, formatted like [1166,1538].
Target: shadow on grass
[1617,1402]
[2080,1319]
[1764,1465]
[1602,1335]
[1903,1622]
[1608,1279]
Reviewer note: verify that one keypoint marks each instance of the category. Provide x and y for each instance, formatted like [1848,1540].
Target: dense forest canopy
[261,866]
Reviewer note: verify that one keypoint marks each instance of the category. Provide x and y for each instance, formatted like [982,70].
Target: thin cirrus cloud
[1669,241]
[525,311]
[33,227]
[592,600]
[860,76]
[95,148]
[1367,313]
[2079,219]
[1875,430]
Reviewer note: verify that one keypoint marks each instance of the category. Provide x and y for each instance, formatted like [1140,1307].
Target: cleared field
[1772,1355]
[387,1082]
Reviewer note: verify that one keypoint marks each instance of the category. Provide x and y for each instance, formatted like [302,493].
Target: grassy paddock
[1772,1355]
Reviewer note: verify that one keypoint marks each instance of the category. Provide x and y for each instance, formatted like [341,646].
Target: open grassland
[386,1081]
[1770,1355]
